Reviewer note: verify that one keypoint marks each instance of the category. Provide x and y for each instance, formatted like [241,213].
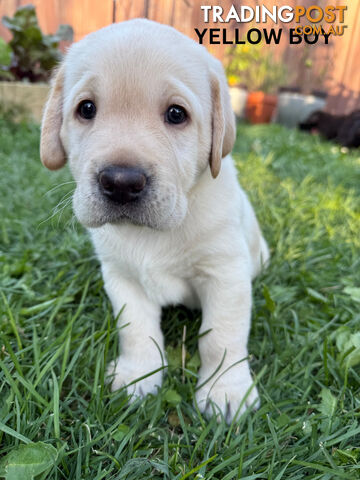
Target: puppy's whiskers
[65,201]
[56,187]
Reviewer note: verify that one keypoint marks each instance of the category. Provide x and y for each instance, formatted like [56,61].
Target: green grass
[58,334]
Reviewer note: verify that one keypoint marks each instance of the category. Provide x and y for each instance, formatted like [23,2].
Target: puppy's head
[140,111]
[312,121]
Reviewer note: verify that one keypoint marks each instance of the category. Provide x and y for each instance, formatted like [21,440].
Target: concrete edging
[31,96]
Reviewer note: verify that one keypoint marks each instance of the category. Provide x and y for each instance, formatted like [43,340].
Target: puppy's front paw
[128,373]
[227,394]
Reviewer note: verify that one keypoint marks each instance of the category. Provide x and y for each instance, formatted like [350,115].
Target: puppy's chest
[163,272]
[166,287]
[165,283]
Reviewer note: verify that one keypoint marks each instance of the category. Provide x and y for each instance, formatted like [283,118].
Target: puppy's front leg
[224,376]
[141,339]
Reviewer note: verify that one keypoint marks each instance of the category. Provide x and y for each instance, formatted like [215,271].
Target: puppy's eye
[86,109]
[175,114]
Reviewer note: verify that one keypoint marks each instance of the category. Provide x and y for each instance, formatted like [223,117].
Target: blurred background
[301,77]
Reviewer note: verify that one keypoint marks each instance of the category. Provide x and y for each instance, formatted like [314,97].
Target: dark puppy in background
[343,129]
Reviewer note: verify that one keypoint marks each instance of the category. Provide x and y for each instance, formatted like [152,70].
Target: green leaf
[342,338]
[5,53]
[306,427]
[281,294]
[173,419]
[32,35]
[283,420]
[350,455]
[353,292]
[174,356]
[348,345]
[328,403]
[121,432]
[172,397]
[24,17]
[28,461]
[316,295]
[271,305]
[194,363]
[65,33]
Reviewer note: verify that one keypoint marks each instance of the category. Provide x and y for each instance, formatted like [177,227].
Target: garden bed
[28,96]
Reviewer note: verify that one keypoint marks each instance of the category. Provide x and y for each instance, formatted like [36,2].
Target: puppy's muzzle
[122,184]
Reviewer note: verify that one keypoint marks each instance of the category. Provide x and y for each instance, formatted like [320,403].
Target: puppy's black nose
[122,184]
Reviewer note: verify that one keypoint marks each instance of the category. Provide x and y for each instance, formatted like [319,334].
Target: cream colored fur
[196,240]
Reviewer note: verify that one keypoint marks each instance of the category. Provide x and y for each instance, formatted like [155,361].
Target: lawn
[57,333]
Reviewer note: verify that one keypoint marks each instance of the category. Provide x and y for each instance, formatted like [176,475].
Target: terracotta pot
[260,107]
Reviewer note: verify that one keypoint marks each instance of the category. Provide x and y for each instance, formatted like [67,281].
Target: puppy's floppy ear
[223,119]
[52,152]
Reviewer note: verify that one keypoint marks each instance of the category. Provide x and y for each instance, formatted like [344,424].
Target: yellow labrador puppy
[143,115]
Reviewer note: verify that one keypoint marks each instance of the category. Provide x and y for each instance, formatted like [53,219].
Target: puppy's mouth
[132,213]
[154,208]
